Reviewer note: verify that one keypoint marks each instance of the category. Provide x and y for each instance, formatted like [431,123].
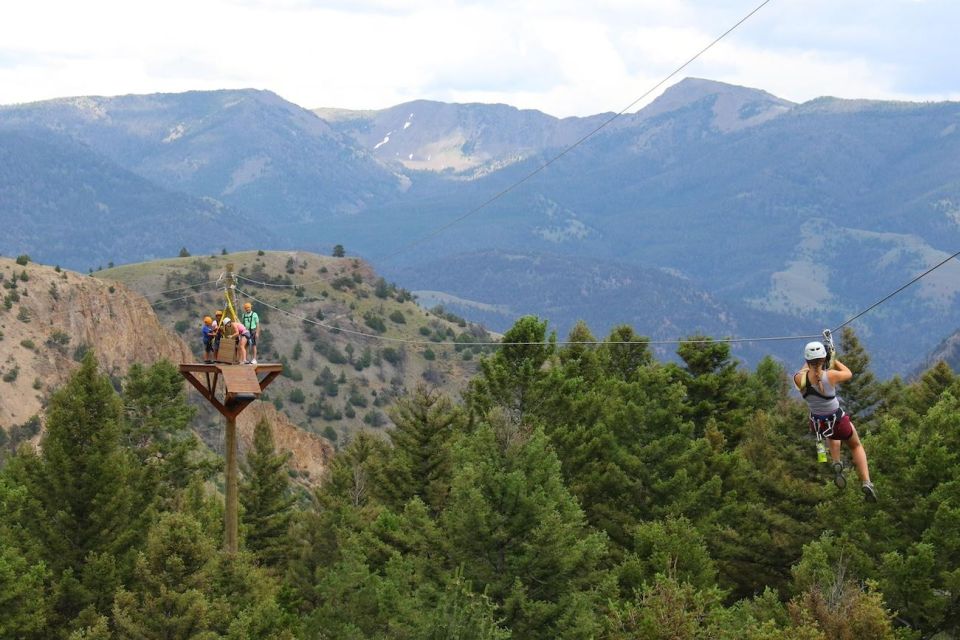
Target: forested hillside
[582,491]
[313,309]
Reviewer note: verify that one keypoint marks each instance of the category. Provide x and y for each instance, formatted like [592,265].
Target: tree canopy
[587,490]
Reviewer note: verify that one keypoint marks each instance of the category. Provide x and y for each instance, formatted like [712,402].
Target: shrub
[392,355]
[398,317]
[297,396]
[11,375]
[375,322]
[315,409]
[27,344]
[330,434]
[428,354]
[342,283]
[23,259]
[374,419]
[80,351]
[58,339]
[181,326]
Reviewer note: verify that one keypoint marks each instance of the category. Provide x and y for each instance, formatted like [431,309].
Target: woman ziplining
[817,382]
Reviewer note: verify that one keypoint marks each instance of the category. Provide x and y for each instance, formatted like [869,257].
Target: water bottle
[821,451]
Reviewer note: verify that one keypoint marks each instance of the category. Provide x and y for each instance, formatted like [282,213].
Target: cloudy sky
[563,57]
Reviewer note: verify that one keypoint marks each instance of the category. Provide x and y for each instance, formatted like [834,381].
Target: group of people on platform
[245,331]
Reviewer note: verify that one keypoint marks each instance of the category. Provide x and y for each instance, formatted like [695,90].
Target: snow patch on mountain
[175,133]
[385,140]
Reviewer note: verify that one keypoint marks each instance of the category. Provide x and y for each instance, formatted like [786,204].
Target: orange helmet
[219,313]
[247,306]
[207,320]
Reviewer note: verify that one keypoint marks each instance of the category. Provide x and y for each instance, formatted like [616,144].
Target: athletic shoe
[254,361]
[838,477]
[868,492]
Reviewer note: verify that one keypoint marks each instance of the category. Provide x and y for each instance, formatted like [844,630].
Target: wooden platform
[242,384]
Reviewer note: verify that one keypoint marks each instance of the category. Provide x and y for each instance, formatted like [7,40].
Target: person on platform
[208,331]
[251,321]
[242,335]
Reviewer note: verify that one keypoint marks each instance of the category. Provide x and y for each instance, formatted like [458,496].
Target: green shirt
[251,320]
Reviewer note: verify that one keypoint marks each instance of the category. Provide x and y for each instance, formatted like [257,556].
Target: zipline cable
[437,231]
[597,342]
[189,295]
[151,294]
[491,343]
[574,145]
[890,295]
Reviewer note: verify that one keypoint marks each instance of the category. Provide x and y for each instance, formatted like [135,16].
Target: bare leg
[859,455]
[834,450]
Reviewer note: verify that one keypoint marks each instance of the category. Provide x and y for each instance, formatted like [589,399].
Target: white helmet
[227,321]
[814,351]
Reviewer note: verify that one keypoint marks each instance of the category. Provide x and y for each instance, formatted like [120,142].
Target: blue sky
[560,56]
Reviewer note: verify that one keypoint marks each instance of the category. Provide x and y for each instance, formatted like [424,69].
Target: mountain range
[781,218]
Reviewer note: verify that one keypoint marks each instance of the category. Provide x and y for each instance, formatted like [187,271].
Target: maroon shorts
[842,428]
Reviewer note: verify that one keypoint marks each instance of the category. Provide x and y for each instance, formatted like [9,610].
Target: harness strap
[810,389]
[829,421]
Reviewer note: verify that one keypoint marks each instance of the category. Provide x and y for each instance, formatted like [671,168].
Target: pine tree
[24,602]
[717,391]
[156,428]
[862,393]
[510,378]
[82,504]
[168,596]
[520,535]
[419,463]
[624,352]
[183,587]
[923,394]
[267,499]
[580,359]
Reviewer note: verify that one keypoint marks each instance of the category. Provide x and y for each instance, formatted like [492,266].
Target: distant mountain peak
[734,107]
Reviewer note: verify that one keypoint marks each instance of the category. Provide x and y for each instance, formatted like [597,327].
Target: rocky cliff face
[49,318]
[310,453]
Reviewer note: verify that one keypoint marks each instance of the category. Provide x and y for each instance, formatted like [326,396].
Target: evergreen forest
[573,491]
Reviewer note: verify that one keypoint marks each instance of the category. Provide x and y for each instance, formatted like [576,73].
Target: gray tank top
[822,406]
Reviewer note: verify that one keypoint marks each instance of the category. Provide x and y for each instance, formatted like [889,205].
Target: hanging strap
[830,421]
[831,350]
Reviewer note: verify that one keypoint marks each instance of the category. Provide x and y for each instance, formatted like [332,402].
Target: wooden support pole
[241,386]
[231,523]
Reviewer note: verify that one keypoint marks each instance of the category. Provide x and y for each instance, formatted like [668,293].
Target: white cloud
[564,57]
